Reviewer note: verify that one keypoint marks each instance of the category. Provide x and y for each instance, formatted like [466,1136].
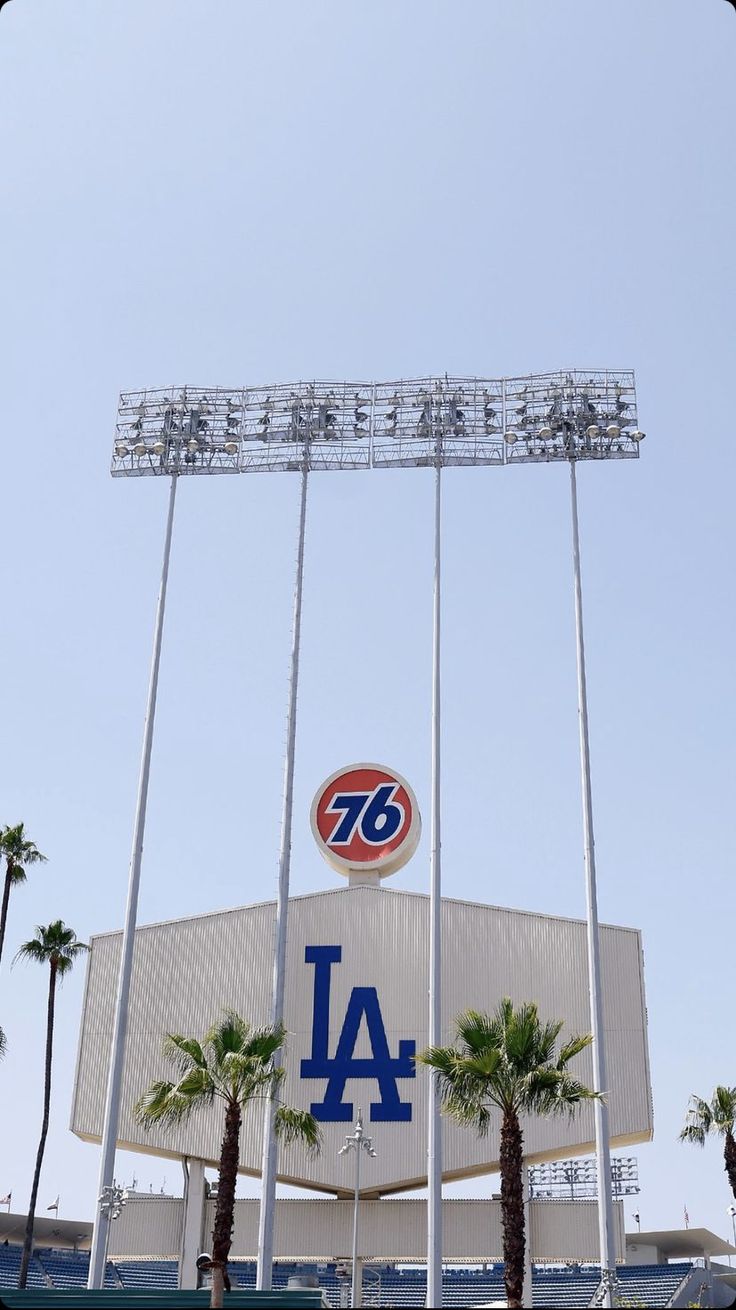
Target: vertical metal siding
[389,1230]
[187,972]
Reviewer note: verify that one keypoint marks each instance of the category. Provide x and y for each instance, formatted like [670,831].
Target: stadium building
[356,1014]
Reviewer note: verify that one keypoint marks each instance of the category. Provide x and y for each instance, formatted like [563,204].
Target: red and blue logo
[365,819]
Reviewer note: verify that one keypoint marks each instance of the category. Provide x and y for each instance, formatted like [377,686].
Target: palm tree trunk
[729,1156]
[512,1207]
[4,910]
[225,1210]
[28,1240]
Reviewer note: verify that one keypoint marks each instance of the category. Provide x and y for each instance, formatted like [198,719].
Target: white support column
[192,1235]
[602,1132]
[270,1145]
[115,1076]
[434,1136]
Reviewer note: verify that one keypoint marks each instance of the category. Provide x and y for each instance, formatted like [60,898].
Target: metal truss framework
[578,1179]
[415,423]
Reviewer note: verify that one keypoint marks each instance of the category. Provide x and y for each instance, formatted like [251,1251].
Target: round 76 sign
[365,819]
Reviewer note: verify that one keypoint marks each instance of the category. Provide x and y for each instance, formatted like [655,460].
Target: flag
[54,1205]
[5,1200]
[687,1218]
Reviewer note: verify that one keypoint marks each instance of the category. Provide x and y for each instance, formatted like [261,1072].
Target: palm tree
[56,946]
[19,852]
[508,1061]
[3,1043]
[715,1117]
[235,1064]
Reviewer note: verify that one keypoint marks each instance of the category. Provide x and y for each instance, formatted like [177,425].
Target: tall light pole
[434,1118]
[574,418]
[267,1212]
[732,1211]
[357,1142]
[111,1121]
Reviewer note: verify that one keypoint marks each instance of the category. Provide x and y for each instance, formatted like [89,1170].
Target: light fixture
[545,434]
[231,447]
[510,437]
[593,431]
[140,448]
[612,431]
[637,436]
[121,450]
[159,447]
[192,444]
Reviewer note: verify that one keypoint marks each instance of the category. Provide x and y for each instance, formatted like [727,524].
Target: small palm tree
[3,1043]
[715,1117]
[19,852]
[56,946]
[235,1064]
[509,1062]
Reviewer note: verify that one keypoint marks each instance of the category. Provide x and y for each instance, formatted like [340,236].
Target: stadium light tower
[333,426]
[577,416]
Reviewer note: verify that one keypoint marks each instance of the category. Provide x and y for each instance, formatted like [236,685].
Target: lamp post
[111,1202]
[732,1211]
[357,1142]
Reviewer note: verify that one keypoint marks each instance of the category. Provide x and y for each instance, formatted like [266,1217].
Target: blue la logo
[382,1067]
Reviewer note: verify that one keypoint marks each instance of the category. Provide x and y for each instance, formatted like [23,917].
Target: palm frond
[3,1043]
[693,1133]
[698,1121]
[477,1031]
[184,1051]
[17,848]
[723,1106]
[263,1043]
[54,944]
[572,1047]
[229,1034]
[298,1126]
[164,1103]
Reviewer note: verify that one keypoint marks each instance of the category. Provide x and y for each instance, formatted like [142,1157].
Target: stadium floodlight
[581,416]
[111,1202]
[577,1180]
[429,422]
[357,1142]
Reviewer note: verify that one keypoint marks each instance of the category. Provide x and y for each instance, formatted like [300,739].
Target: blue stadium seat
[557,1288]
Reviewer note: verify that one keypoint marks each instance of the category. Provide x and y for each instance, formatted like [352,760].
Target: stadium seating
[10,1257]
[384,1285]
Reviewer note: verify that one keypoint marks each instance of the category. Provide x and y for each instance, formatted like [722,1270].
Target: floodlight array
[578,1179]
[353,425]
[554,416]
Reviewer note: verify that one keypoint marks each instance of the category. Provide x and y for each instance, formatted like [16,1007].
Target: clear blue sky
[246,192]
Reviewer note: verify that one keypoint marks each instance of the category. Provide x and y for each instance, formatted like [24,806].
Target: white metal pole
[270,1146]
[602,1142]
[355,1297]
[115,1077]
[434,1119]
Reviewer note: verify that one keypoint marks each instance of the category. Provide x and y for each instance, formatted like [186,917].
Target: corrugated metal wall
[187,972]
[389,1230]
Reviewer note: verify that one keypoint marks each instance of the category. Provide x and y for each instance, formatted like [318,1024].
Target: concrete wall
[389,1230]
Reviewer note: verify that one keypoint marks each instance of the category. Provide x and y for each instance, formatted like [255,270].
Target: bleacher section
[51,1267]
[651,1284]
[567,1288]
[10,1268]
